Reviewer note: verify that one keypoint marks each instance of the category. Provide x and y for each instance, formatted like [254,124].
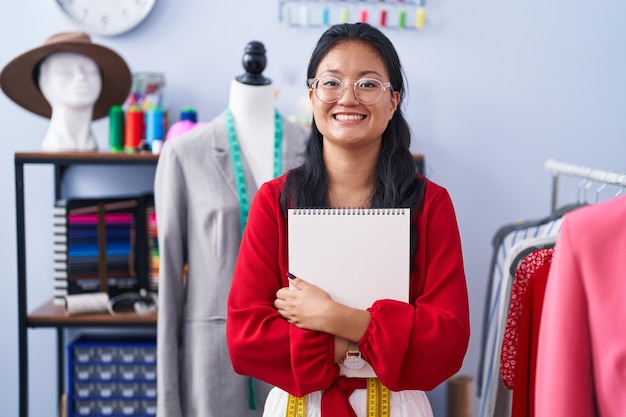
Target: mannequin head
[70,81]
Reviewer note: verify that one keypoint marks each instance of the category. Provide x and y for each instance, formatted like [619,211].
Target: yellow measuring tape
[377,401]
[296,406]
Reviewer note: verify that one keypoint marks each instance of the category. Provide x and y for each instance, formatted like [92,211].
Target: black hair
[397,184]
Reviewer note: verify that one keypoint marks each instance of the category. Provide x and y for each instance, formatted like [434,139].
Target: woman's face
[348,122]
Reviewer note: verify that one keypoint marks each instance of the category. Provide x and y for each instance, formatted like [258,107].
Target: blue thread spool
[189,113]
[325,16]
[154,125]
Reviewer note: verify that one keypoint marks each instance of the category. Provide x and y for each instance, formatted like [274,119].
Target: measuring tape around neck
[242,189]
[235,152]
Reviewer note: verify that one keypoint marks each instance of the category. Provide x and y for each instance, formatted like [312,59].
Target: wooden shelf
[53,315]
[85,157]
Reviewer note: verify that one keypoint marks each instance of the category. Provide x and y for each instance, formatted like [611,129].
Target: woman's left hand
[304,305]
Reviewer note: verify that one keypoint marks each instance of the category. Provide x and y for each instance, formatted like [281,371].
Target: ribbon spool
[116,128]
[134,129]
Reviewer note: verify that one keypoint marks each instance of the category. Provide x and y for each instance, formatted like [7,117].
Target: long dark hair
[397,185]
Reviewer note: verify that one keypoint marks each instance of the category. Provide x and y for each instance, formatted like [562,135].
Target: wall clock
[106,17]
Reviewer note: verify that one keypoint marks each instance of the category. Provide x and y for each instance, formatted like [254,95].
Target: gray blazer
[198,223]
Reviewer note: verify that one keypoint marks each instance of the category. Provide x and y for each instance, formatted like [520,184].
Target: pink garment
[180,127]
[581,363]
[527,268]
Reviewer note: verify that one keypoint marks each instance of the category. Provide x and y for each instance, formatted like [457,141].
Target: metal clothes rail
[557,169]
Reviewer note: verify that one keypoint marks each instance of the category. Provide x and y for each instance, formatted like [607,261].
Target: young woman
[357,156]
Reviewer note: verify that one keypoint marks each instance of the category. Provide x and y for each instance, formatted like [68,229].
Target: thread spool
[116,128]
[363,16]
[304,15]
[420,18]
[189,113]
[325,16]
[154,125]
[134,131]
[402,19]
[344,15]
[383,18]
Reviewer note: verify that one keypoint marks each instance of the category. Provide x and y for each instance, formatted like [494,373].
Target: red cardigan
[412,346]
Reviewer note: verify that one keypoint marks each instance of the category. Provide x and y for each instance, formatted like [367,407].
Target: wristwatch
[353,359]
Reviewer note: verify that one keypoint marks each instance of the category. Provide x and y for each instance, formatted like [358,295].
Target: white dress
[402,403]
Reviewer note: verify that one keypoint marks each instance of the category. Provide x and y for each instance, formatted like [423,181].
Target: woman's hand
[306,305]
[309,307]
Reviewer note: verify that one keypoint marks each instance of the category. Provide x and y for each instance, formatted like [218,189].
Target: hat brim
[18,83]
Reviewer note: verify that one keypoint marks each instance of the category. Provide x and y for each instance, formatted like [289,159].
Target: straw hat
[18,82]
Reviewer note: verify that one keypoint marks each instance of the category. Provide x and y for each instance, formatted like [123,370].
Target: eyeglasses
[367,90]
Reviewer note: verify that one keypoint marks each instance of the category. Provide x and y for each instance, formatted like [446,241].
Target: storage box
[112,376]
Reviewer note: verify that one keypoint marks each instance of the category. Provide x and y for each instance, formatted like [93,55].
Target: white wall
[495,89]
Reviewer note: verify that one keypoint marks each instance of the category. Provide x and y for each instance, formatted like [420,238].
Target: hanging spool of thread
[402,19]
[383,17]
[325,16]
[363,15]
[116,129]
[344,15]
[420,17]
[134,131]
[304,15]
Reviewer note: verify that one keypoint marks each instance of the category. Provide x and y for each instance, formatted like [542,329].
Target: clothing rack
[558,169]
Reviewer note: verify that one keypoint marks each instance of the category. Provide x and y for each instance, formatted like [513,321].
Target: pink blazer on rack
[581,362]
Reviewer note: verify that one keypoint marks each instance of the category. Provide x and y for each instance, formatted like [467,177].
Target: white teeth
[349,117]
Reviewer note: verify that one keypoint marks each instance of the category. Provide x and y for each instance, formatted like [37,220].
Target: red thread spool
[383,17]
[363,16]
[135,127]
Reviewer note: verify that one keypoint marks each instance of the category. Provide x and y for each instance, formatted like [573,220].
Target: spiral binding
[348,211]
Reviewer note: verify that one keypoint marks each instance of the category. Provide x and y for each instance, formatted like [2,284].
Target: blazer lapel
[224,162]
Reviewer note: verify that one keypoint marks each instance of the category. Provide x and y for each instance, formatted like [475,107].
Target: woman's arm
[420,345]
[261,343]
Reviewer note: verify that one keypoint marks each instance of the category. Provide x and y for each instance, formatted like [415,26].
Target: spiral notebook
[357,256]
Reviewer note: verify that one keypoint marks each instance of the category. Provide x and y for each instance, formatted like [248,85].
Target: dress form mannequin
[252,105]
[71,83]
[199,225]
